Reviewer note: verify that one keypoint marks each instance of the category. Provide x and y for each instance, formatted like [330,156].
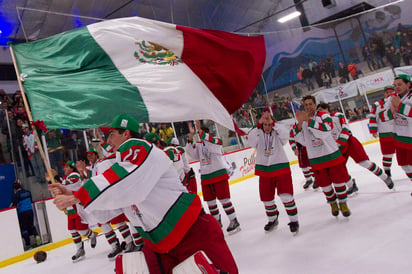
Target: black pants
[27,227]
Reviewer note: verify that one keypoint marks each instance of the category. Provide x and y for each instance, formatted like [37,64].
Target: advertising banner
[341,92]
[375,82]
[238,164]
[7,178]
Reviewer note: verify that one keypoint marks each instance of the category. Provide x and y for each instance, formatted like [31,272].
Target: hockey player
[272,167]
[169,218]
[177,154]
[76,227]
[351,147]
[154,139]
[401,107]
[384,128]
[214,176]
[106,218]
[314,130]
[303,160]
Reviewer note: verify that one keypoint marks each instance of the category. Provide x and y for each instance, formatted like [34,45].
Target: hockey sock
[109,233]
[387,161]
[307,172]
[290,206]
[213,209]
[329,193]
[341,191]
[125,231]
[85,232]
[271,210]
[408,170]
[77,239]
[229,209]
[138,240]
[372,167]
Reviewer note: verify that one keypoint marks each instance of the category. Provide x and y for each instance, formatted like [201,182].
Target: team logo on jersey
[152,53]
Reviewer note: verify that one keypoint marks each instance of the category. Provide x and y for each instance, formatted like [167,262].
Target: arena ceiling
[22,20]
[27,20]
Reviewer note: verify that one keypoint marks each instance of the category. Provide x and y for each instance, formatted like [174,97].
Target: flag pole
[26,105]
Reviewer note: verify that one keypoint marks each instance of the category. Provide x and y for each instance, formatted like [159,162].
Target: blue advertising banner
[7,178]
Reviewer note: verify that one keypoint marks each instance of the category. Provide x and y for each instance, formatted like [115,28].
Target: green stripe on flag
[72,83]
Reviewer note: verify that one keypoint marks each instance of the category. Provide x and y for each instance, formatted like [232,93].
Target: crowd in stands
[386,49]
[62,144]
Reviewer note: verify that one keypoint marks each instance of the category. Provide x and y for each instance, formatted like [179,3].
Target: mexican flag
[153,71]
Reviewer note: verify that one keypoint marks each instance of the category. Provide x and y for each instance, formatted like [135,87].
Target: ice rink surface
[376,238]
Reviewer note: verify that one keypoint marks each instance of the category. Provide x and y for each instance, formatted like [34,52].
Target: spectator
[296,90]
[55,149]
[330,68]
[299,75]
[365,108]
[353,70]
[343,73]
[379,52]
[23,202]
[368,57]
[396,57]
[406,54]
[312,64]
[325,80]
[70,143]
[20,112]
[307,78]
[166,132]
[31,147]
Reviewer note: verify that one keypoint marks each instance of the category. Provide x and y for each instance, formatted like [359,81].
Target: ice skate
[117,249]
[233,227]
[271,225]
[131,247]
[388,172]
[315,186]
[93,239]
[389,182]
[80,254]
[307,184]
[353,189]
[294,227]
[334,208]
[344,209]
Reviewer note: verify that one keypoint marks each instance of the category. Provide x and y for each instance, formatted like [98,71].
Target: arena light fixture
[288,17]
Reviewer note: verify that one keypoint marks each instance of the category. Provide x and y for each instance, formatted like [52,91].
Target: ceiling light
[289,17]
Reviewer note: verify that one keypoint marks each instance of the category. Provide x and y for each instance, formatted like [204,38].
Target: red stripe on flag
[230,65]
